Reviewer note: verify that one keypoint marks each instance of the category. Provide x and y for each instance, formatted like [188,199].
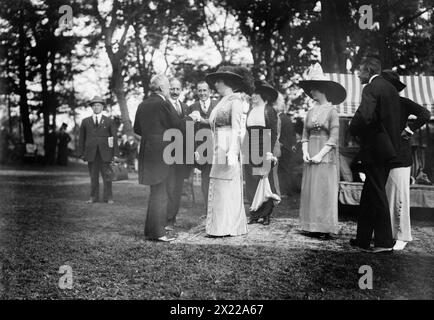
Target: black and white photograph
[217,155]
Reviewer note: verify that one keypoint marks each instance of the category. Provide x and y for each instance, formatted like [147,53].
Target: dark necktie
[96,121]
[203,107]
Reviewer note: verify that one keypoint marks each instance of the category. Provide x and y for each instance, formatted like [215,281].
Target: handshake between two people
[195,115]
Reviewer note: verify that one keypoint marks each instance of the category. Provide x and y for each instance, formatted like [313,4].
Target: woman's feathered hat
[264,86]
[239,75]
[393,78]
[315,78]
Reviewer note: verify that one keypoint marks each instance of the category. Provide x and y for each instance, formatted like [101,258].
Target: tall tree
[279,34]
[15,38]
[334,28]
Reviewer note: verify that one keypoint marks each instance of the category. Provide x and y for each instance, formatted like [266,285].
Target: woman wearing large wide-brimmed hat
[225,213]
[319,187]
[261,124]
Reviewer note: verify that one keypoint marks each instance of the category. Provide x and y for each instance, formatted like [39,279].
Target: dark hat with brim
[239,75]
[315,79]
[335,92]
[224,72]
[393,78]
[264,86]
[97,99]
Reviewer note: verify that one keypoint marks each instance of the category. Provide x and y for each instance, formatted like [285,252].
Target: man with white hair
[154,116]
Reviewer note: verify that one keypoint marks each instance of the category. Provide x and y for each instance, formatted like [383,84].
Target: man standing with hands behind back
[377,125]
[98,146]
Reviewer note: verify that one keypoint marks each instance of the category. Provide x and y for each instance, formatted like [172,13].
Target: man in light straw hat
[98,146]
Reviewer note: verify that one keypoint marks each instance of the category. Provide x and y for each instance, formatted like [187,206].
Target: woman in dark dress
[261,124]
[62,146]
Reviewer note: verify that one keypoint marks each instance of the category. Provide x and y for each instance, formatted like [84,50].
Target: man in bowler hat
[98,146]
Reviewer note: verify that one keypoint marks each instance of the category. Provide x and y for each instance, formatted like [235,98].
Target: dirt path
[284,233]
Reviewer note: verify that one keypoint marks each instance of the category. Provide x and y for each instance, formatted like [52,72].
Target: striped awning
[420,89]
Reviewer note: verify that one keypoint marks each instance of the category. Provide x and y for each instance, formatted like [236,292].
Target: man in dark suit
[178,172]
[98,146]
[283,148]
[376,124]
[203,107]
[154,116]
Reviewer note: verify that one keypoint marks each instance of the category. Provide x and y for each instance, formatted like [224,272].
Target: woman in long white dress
[226,215]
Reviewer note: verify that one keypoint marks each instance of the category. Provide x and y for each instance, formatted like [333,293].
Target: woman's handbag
[119,171]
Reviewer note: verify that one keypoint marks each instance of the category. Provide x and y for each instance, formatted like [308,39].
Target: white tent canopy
[420,89]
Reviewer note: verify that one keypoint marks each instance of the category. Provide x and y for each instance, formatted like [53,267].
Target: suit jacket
[380,108]
[93,138]
[196,107]
[287,132]
[153,117]
[200,125]
[408,108]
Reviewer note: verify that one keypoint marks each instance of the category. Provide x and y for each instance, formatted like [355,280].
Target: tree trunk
[332,36]
[118,88]
[385,51]
[24,107]
[53,100]
[45,101]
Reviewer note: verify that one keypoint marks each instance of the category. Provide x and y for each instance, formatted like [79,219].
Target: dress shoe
[252,221]
[266,221]
[91,201]
[328,236]
[355,243]
[381,249]
[399,245]
[110,201]
[165,239]
[169,228]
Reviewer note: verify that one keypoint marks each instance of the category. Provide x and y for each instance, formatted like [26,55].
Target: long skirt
[226,215]
[319,198]
[398,194]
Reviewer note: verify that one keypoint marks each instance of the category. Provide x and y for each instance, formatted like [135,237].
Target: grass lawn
[44,224]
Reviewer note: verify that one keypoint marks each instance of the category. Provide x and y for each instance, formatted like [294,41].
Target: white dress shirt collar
[372,78]
[98,116]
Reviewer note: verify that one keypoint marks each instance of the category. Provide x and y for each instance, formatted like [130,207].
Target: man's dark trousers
[156,214]
[175,182]
[95,168]
[204,175]
[374,207]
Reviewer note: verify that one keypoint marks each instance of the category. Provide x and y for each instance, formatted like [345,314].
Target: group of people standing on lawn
[244,132]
